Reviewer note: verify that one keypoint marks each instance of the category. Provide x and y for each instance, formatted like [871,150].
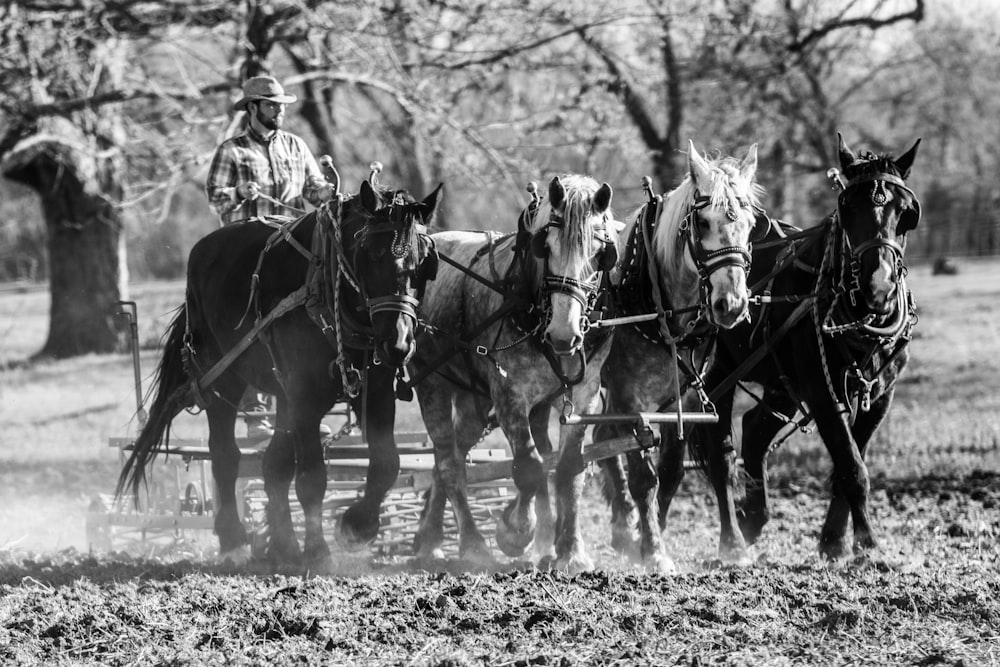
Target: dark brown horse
[324,321]
[828,341]
[687,259]
[512,330]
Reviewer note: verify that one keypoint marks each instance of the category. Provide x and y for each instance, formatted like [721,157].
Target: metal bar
[131,313]
[640,418]
[627,319]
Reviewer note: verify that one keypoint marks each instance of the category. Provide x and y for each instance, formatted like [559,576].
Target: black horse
[321,310]
[829,341]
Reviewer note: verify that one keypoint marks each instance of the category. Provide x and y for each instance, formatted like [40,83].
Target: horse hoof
[865,543]
[661,564]
[835,550]
[752,525]
[319,565]
[512,542]
[350,540]
[477,553]
[544,553]
[424,556]
[546,563]
[239,556]
[575,563]
[625,542]
[283,554]
[736,557]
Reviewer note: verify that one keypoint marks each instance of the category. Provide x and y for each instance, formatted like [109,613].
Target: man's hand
[325,193]
[247,191]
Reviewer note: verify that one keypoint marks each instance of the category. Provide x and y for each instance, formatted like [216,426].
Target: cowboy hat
[263,88]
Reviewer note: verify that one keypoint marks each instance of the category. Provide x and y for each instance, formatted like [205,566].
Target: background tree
[111,112]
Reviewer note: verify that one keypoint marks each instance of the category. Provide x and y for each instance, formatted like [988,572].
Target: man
[263,173]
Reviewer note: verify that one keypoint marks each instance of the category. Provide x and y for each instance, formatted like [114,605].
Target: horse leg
[308,394]
[435,399]
[516,526]
[358,526]
[719,459]
[225,455]
[571,552]
[545,529]
[449,479]
[670,470]
[614,488]
[864,427]
[850,484]
[643,485]
[471,414]
[278,468]
[760,426]
[278,464]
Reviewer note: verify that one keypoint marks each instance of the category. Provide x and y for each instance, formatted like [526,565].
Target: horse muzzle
[395,338]
[730,310]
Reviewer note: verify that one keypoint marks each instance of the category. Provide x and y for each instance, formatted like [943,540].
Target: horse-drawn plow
[178,504]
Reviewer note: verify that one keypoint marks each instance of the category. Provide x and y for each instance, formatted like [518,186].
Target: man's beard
[272,123]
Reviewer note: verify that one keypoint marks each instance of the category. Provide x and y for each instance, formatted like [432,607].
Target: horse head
[574,236]
[875,210]
[394,257]
[705,232]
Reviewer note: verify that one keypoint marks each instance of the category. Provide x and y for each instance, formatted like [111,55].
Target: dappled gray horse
[510,334]
[686,260]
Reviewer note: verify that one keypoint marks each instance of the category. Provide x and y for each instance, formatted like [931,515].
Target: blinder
[538,246]
[909,218]
[761,227]
[429,267]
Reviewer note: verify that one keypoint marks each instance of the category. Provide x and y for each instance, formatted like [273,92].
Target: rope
[351,387]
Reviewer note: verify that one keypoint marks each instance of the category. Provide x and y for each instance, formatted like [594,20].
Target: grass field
[929,596]
[56,416]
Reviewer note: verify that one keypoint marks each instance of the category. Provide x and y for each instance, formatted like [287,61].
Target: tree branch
[799,45]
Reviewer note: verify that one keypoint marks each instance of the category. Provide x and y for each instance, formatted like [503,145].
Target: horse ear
[602,198]
[429,205]
[847,156]
[748,168]
[556,193]
[697,166]
[369,198]
[905,161]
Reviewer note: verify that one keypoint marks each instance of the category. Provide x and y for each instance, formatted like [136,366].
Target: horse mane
[578,233]
[727,187]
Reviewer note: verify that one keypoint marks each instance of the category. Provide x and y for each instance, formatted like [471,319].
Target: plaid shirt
[282,166]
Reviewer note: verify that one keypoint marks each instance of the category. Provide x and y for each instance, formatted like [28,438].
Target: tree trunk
[85,241]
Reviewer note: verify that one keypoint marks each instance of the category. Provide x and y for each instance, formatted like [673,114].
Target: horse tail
[172,394]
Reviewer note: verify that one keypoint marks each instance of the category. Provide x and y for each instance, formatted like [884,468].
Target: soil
[929,596]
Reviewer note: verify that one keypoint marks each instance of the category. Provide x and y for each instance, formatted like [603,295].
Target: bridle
[585,292]
[709,261]
[405,234]
[850,273]
[706,261]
